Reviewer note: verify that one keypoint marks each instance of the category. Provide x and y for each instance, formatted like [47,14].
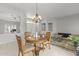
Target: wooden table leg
[36,50]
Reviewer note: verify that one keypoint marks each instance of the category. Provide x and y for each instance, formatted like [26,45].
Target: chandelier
[36,18]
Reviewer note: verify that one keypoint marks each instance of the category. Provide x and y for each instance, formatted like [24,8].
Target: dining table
[36,42]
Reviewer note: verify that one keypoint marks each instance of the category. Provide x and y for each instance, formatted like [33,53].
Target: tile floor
[10,49]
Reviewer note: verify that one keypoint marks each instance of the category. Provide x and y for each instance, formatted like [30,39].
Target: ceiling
[53,10]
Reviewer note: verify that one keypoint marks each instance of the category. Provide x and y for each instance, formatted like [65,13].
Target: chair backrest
[19,42]
[48,35]
[26,34]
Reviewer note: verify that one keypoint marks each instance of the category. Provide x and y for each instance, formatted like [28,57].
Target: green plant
[74,39]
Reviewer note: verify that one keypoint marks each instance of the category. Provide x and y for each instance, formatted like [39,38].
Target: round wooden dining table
[36,41]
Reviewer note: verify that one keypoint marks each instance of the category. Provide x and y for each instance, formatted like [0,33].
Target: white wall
[69,24]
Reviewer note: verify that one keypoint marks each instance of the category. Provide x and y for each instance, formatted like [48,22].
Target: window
[50,27]
[43,27]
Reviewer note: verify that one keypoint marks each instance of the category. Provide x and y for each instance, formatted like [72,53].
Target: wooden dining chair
[48,39]
[26,35]
[22,48]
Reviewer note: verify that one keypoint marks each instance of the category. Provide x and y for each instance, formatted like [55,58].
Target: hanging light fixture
[36,18]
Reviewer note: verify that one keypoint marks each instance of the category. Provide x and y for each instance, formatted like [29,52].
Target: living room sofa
[66,41]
